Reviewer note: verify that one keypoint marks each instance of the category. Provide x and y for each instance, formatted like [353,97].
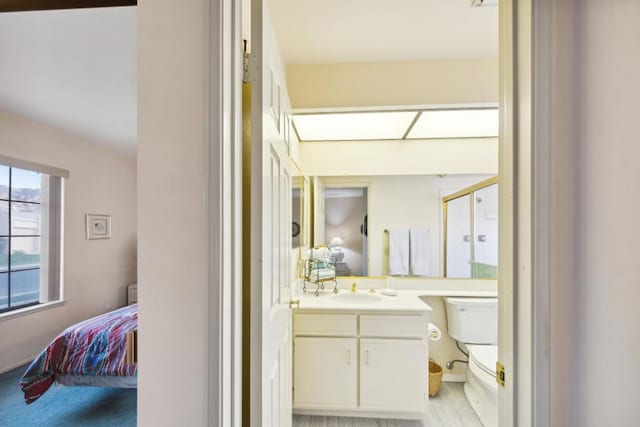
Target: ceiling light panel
[456,124]
[353,126]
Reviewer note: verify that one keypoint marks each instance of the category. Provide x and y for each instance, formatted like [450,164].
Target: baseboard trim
[15,365]
[451,378]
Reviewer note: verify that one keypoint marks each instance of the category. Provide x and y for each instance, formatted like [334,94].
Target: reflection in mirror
[299,217]
[458,237]
[471,231]
[345,212]
[409,204]
[485,259]
[296,212]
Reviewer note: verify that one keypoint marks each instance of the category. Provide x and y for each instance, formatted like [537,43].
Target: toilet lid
[485,356]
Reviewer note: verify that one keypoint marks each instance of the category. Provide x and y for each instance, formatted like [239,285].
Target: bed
[100,351]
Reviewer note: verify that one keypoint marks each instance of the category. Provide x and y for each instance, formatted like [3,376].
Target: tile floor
[449,408]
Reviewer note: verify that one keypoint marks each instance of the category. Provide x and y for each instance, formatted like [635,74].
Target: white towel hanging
[399,252]
[419,253]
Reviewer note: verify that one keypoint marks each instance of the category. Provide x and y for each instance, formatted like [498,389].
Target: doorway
[507,160]
[69,117]
[347,148]
[345,228]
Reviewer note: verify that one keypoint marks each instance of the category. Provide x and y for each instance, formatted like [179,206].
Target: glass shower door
[458,237]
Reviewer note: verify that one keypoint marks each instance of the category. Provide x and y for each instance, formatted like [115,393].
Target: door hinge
[295,302]
[250,68]
[245,68]
[500,373]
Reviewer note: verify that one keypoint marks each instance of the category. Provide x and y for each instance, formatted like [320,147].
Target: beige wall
[469,81]
[173,178]
[96,272]
[415,157]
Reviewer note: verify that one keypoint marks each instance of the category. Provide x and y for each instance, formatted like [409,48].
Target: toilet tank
[472,320]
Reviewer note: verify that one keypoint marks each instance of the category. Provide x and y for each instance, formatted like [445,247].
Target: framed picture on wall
[98,226]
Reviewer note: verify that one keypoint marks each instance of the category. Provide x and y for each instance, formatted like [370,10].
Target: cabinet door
[325,373]
[393,375]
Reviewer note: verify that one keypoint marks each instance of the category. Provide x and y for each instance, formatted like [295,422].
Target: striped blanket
[95,347]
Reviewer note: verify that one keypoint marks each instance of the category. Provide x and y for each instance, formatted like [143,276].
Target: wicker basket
[435,377]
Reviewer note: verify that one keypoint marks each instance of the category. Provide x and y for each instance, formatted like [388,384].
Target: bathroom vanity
[361,354]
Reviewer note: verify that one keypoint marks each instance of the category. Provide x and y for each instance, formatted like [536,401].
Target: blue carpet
[65,406]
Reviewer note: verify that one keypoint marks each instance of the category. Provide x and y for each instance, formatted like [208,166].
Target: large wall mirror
[395,225]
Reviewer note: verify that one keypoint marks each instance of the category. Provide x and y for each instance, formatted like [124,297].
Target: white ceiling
[339,31]
[74,70]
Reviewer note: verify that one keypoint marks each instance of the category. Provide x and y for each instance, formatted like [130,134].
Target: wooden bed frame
[132,347]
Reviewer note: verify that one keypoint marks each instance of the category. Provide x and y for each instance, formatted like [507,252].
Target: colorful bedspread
[94,347]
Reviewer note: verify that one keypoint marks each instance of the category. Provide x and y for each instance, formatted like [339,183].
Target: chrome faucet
[354,287]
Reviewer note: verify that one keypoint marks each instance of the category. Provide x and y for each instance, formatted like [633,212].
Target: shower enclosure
[471,231]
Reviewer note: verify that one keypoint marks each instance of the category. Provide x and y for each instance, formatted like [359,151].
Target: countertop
[406,300]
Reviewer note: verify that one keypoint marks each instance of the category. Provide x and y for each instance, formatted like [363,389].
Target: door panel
[270,349]
[393,375]
[326,373]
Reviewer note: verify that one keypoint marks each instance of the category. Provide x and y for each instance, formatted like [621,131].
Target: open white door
[270,350]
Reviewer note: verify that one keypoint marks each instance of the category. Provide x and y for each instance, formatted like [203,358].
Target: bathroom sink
[356,298]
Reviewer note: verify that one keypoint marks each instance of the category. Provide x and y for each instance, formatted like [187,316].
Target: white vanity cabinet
[360,363]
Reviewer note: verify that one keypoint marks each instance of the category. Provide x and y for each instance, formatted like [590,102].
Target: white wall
[173,175]
[595,338]
[96,272]
[404,201]
[393,83]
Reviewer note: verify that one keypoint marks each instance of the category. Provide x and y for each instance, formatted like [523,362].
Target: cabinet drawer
[325,324]
[395,326]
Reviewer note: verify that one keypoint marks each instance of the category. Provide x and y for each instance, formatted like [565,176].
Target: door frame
[524,210]
[225,213]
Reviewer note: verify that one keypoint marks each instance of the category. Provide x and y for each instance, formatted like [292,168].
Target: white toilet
[474,323]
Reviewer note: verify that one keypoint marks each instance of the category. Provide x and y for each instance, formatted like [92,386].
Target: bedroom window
[30,234]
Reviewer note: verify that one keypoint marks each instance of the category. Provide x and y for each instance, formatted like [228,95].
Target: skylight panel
[471,123]
[353,126]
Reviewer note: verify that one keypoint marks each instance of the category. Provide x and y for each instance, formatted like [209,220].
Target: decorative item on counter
[319,268]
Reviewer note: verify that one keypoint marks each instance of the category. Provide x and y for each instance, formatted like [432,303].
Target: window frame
[51,237]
